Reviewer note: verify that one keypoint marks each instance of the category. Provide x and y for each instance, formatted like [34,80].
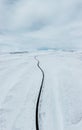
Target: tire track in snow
[39,95]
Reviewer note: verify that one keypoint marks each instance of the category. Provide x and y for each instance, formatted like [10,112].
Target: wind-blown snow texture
[61,98]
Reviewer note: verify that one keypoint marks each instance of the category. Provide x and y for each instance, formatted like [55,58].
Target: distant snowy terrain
[60,103]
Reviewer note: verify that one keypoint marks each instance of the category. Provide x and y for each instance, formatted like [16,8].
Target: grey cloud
[10,2]
[41,23]
[37,25]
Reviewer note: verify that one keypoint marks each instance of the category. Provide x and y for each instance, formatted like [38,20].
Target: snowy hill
[58,102]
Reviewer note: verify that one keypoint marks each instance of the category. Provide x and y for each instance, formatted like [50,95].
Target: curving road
[39,95]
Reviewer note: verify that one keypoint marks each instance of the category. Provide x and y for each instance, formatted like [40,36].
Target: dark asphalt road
[39,95]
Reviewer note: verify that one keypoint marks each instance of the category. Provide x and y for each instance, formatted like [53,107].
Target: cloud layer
[32,24]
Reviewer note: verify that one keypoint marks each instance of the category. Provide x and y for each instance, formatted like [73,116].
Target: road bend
[39,95]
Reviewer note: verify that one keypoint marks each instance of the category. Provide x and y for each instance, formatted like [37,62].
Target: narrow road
[39,95]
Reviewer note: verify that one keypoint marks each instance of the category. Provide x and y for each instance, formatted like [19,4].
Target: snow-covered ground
[60,106]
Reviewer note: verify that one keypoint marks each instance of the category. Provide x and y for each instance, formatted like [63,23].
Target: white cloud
[41,23]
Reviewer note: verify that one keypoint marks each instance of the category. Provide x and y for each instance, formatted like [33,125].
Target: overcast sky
[32,24]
